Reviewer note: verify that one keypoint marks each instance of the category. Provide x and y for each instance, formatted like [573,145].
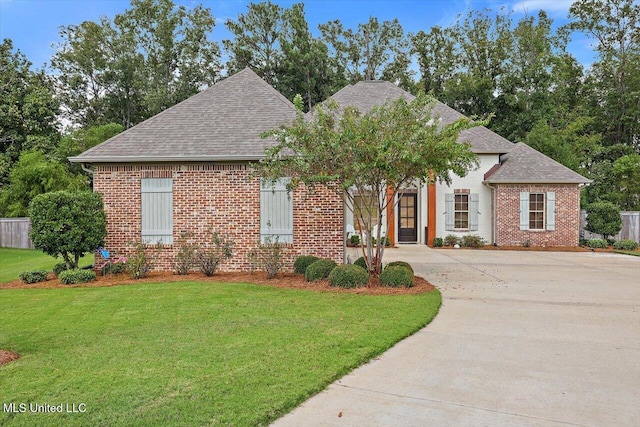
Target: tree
[28,109]
[32,175]
[372,51]
[615,25]
[626,171]
[394,146]
[67,224]
[603,218]
[256,42]
[80,140]
[128,69]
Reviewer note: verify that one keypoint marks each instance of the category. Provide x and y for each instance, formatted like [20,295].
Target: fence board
[14,233]
[630,227]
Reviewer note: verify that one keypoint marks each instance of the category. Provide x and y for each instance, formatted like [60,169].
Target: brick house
[188,169]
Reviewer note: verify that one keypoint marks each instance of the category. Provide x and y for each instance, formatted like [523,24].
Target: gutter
[160,159]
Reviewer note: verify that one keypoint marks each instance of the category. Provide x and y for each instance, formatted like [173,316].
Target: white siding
[472,182]
[157,210]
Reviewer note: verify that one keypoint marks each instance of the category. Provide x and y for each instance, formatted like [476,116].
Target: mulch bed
[7,356]
[283,280]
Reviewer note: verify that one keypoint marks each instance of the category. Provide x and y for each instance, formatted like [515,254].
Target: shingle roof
[365,95]
[223,122]
[525,165]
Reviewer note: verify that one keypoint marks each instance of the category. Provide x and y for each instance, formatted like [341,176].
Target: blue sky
[33,25]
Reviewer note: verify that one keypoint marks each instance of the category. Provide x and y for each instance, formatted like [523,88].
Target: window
[157,210]
[461,211]
[536,211]
[365,206]
[276,212]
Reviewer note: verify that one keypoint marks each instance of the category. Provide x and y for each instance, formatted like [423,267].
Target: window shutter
[276,212]
[551,211]
[524,210]
[474,205]
[157,210]
[448,211]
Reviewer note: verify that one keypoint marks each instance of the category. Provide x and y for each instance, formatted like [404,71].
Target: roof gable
[223,122]
[525,165]
[365,95]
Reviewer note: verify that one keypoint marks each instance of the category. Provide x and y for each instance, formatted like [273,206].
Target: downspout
[494,220]
[86,169]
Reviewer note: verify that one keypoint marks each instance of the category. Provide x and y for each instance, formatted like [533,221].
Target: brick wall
[218,197]
[567,217]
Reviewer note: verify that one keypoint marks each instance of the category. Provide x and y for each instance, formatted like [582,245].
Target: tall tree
[145,60]
[615,25]
[373,50]
[256,42]
[28,109]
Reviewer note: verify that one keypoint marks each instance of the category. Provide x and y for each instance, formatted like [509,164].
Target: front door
[407,217]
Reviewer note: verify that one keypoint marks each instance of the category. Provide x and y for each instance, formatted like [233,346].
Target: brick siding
[215,197]
[567,227]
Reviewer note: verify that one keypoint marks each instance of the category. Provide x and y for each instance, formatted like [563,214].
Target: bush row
[69,277]
[467,241]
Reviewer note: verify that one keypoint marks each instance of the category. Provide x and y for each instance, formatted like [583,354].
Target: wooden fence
[630,227]
[14,233]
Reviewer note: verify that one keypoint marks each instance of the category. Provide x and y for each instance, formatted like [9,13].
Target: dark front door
[407,217]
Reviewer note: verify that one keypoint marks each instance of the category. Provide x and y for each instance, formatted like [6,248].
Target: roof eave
[511,181]
[161,159]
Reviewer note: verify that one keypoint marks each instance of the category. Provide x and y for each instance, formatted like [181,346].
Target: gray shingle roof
[366,95]
[223,122]
[524,165]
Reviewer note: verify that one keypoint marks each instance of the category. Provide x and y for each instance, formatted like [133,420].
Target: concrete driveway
[522,339]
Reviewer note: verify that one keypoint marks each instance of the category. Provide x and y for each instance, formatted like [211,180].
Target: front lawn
[15,261]
[189,353]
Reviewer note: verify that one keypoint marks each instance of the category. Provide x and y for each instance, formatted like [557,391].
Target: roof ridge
[280,96]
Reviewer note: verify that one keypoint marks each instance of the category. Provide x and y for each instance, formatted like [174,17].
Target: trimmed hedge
[396,277]
[302,262]
[34,276]
[348,276]
[319,270]
[70,277]
[625,245]
[597,243]
[59,268]
[360,262]
[401,264]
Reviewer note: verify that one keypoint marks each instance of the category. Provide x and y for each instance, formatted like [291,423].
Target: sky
[34,25]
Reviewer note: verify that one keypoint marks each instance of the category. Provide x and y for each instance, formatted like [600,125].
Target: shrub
[140,262]
[348,276]
[625,245]
[597,243]
[34,276]
[110,267]
[526,243]
[59,268]
[319,270]
[302,262]
[185,259]
[267,257]
[212,255]
[603,218]
[401,264]
[472,241]
[438,242]
[396,276]
[361,263]
[67,224]
[354,240]
[70,277]
[451,240]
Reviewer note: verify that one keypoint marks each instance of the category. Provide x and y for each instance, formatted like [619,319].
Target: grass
[189,353]
[634,253]
[15,261]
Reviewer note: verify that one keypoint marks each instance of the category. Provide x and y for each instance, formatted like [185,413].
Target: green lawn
[15,261]
[189,353]
[634,253]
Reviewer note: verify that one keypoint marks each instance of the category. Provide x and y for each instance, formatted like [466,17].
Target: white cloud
[532,6]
